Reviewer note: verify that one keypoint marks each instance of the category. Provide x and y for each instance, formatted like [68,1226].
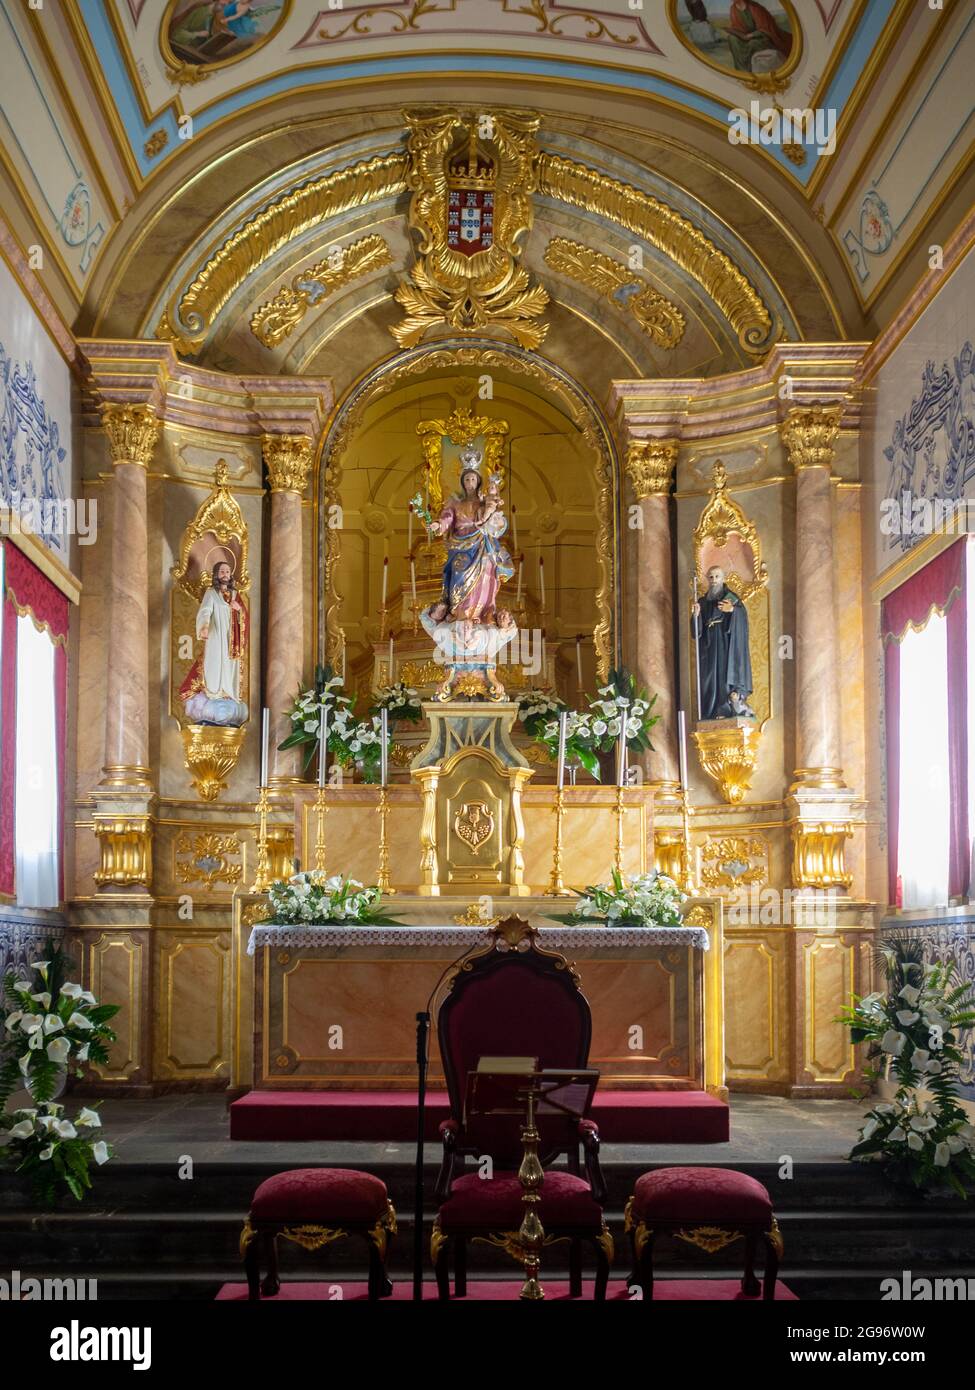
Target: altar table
[335,1007]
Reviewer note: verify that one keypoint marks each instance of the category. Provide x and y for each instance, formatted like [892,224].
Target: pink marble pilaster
[288,460]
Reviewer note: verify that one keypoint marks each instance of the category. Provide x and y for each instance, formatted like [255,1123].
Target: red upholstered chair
[709,1208]
[519,1001]
[313,1207]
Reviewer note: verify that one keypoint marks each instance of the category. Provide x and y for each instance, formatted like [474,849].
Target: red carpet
[502,1290]
[624,1117]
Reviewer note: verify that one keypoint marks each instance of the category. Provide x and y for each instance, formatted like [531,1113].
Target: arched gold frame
[582,412]
[182,71]
[775,81]
[461,428]
[721,518]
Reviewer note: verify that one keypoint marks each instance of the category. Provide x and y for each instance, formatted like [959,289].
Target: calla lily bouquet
[619,705]
[913,1032]
[349,739]
[53,1150]
[647,900]
[536,708]
[399,700]
[51,1025]
[316,899]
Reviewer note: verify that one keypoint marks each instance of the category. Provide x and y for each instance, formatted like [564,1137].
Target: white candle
[384,746]
[682,741]
[322,746]
[343,663]
[520,568]
[541,579]
[579,661]
[621,755]
[390,658]
[563,720]
[413,582]
[385,577]
[265,738]
[409,539]
[514,526]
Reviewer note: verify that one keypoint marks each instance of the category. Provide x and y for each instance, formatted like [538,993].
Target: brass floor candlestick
[620,813]
[688,884]
[382,883]
[262,878]
[531,1233]
[556,888]
[320,810]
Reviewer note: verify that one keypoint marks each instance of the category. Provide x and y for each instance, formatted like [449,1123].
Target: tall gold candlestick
[620,813]
[262,877]
[382,882]
[531,1233]
[556,888]
[320,809]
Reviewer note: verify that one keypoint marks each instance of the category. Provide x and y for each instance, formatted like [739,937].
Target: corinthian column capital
[132,433]
[650,465]
[288,460]
[809,433]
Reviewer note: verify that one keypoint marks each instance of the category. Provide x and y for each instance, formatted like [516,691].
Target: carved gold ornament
[710,1239]
[474,824]
[287,458]
[384,1228]
[728,749]
[207,859]
[722,517]
[210,755]
[125,843]
[220,516]
[819,854]
[809,435]
[156,143]
[579,186]
[132,433]
[661,320]
[474,915]
[192,310]
[472,178]
[312,1237]
[734,861]
[278,318]
[650,466]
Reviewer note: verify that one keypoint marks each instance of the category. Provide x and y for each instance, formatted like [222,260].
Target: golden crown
[472,167]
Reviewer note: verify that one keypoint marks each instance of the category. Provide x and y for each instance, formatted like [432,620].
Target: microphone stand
[422,1066]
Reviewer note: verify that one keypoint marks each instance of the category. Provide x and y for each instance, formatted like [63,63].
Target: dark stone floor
[763,1129]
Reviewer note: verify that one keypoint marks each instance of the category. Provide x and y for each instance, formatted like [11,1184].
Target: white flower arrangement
[317,899]
[647,900]
[50,1024]
[913,1035]
[349,739]
[399,700]
[538,707]
[53,1150]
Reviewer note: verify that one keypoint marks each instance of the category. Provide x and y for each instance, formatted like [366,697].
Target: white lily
[915,1142]
[897,1134]
[41,967]
[909,994]
[13,1019]
[46,1152]
[80,1021]
[869,1129]
[91,1118]
[65,1129]
[893,1042]
[942,1155]
[24,1064]
[31,1022]
[83,1052]
[22,1130]
[43,998]
[907,1017]
[22,986]
[52,1024]
[58,1050]
[99,1152]
[71,990]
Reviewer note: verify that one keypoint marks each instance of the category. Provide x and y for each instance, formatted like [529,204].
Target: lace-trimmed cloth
[558,937]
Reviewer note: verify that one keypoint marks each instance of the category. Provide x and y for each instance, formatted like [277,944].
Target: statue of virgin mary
[472,524]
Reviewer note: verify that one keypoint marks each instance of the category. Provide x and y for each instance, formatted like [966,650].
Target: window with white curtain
[36,832]
[923,836]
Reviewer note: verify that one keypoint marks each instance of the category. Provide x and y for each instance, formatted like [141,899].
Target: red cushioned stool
[709,1208]
[313,1207]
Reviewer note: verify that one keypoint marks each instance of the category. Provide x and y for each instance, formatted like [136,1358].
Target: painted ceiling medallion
[472,178]
[198,37]
[759,44]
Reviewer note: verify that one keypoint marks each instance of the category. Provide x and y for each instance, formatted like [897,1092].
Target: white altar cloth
[557,937]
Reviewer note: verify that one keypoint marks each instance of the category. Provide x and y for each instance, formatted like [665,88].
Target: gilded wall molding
[660,319]
[579,186]
[191,312]
[277,318]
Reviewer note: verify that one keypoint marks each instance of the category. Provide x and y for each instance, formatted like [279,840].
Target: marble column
[287,458]
[132,433]
[650,467]
[808,435]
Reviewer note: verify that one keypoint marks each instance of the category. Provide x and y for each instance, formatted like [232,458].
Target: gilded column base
[728,749]
[126,777]
[818,854]
[818,779]
[666,796]
[126,850]
[210,755]
[668,854]
[280,851]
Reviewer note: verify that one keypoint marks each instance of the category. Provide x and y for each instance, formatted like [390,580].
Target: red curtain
[939,586]
[28,590]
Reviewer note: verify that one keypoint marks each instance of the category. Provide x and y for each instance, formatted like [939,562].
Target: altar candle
[514,526]
[413,583]
[409,539]
[343,663]
[621,754]
[322,745]
[265,738]
[682,748]
[579,661]
[385,577]
[390,658]
[563,720]
[384,746]
[521,563]
[541,579]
